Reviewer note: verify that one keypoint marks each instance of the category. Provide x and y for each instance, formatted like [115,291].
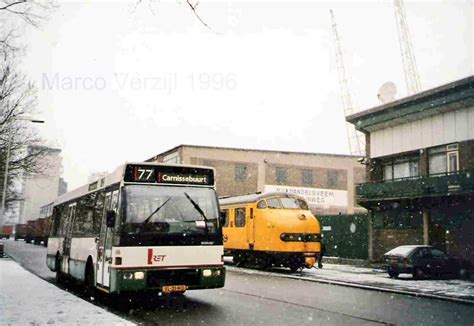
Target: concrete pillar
[262,166]
[424,162]
[426,226]
[370,248]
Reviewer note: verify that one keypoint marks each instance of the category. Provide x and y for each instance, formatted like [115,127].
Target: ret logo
[154,258]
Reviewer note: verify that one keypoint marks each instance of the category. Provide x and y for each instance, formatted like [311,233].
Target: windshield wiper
[196,207]
[145,221]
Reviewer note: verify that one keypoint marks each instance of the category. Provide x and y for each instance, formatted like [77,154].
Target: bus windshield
[169,209]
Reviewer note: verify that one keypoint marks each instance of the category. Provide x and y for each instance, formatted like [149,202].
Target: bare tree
[19,142]
[192,5]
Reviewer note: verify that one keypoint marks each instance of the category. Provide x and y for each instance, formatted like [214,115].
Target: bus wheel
[59,274]
[89,285]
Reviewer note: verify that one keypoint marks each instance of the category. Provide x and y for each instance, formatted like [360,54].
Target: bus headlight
[206,273]
[139,275]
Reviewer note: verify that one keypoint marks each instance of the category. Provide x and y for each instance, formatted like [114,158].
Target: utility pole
[412,77]
[5,182]
[356,139]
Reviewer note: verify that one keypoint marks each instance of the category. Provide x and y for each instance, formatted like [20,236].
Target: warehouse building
[420,170]
[326,181]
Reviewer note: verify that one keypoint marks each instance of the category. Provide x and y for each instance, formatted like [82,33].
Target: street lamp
[5,177]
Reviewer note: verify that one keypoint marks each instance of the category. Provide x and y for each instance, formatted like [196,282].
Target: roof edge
[415,97]
[248,149]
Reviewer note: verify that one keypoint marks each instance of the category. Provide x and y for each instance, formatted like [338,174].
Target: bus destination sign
[168,174]
[166,177]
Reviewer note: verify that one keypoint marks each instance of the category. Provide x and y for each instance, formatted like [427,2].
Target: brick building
[420,168]
[325,180]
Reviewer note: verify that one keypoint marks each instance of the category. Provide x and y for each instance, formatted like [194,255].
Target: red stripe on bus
[166,267]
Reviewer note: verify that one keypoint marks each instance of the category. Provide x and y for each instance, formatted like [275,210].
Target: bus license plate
[174,288]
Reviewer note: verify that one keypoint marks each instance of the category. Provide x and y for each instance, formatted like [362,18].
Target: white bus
[144,227]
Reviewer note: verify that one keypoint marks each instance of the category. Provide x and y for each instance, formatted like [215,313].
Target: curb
[362,286]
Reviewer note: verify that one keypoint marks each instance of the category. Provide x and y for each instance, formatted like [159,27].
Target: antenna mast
[356,139]
[412,78]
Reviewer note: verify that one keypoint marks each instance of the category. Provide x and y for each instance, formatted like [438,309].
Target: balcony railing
[427,186]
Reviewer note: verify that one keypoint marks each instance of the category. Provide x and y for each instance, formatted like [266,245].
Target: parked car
[423,261]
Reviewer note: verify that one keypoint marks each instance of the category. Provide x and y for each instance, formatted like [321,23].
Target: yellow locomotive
[270,229]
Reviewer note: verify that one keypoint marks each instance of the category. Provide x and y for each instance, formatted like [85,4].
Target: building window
[280,175]
[401,168]
[240,172]
[332,179]
[207,163]
[453,162]
[388,171]
[443,159]
[307,178]
[240,217]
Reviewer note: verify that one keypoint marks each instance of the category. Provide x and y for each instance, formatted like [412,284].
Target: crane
[356,139]
[412,78]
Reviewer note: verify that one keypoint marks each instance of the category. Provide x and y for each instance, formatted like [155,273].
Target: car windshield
[166,209]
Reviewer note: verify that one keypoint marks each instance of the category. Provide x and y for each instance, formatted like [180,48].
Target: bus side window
[226,220]
[262,204]
[98,212]
[240,217]
[83,222]
[55,221]
[62,220]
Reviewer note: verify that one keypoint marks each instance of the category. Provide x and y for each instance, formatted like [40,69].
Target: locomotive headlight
[127,276]
[139,275]
[206,273]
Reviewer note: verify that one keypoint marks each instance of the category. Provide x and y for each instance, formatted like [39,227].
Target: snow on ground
[378,278]
[26,299]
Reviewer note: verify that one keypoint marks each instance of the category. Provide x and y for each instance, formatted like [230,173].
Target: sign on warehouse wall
[314,196]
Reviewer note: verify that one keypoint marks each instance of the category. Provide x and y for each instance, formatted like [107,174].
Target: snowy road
[375,278]
[265,299]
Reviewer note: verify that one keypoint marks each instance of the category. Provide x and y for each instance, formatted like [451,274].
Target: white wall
[41,189]
[444,128]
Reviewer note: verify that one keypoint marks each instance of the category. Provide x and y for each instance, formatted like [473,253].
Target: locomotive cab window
[274,203]
[262,204]
[239,217]
[302,204]
[289,202]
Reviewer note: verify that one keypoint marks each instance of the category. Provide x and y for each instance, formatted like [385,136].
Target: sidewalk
[26,299]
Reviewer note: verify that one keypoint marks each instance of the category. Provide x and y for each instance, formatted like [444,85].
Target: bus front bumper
[167,280]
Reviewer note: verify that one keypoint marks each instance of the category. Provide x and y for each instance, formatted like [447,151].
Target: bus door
[104,251]
[70,220]
[250,227]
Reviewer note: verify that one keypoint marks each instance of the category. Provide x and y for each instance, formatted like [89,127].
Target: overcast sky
[119,83]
